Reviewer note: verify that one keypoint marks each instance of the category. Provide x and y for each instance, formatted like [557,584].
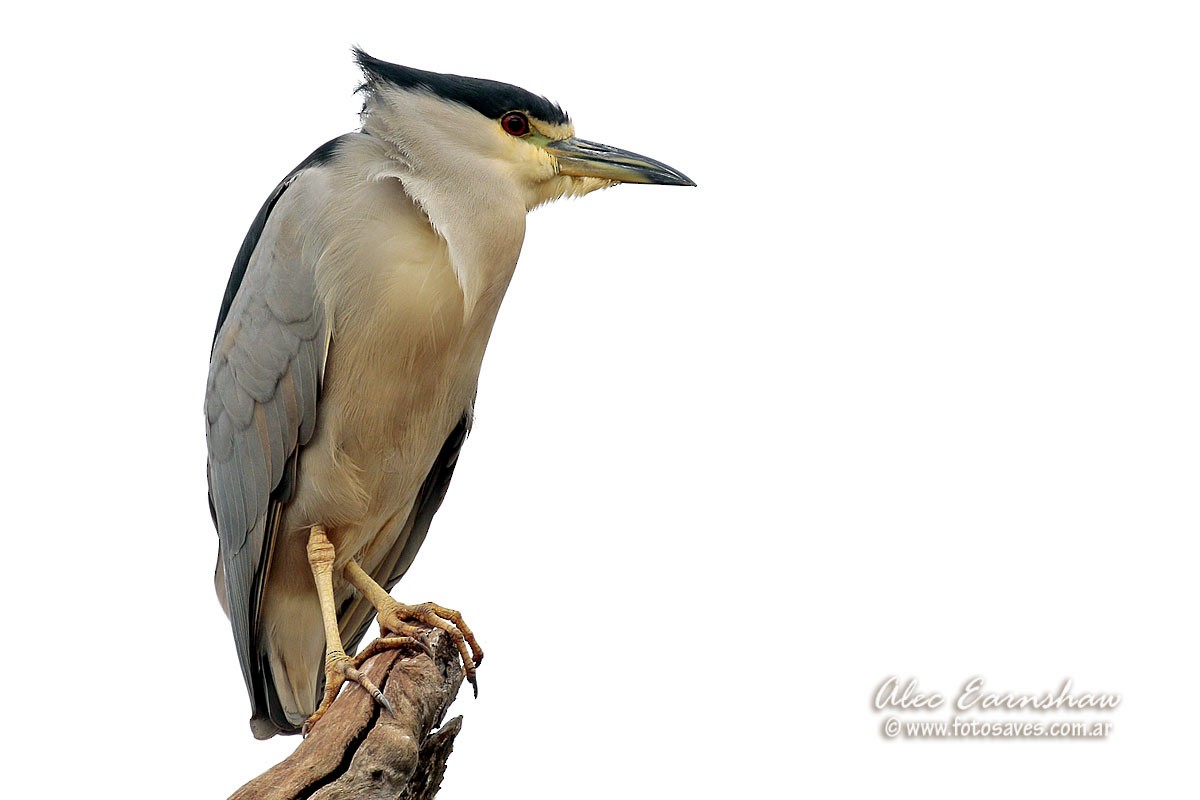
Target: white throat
[448,168]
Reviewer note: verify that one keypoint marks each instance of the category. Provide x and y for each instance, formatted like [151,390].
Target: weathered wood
[360,752]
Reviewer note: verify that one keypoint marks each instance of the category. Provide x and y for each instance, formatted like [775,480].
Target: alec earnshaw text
[973,695]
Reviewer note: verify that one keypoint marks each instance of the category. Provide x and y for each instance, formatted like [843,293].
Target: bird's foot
[391,643]
[340,668]
[349,669]
[398,617]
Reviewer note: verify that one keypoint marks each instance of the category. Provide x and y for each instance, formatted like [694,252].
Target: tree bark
[360,752]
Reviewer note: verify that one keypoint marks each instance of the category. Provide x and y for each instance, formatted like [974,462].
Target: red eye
[515,124]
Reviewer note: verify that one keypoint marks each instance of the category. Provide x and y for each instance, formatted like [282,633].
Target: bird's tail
[289,675]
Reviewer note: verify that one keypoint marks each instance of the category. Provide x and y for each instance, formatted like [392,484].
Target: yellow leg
[338,666]
[395,617]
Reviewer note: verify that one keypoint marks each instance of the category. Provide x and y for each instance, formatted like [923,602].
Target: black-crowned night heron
[346,359]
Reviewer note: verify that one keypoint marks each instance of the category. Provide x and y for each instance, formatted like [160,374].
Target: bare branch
[360,752]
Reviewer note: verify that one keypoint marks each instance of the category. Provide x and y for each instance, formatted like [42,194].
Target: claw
[339,669]
[362,680]
[397,618]
[387,704]
[425,648]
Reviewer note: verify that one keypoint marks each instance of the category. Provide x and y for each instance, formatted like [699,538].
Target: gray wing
[261,404]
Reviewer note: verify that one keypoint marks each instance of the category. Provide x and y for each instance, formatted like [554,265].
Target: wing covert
[263,388]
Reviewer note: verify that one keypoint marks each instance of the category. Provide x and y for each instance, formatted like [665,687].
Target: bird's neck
[483,227]
[476,206]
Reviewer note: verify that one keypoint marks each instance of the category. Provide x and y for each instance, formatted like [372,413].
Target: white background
[907,386]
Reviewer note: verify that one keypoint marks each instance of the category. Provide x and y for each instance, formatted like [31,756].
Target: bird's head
[485,136]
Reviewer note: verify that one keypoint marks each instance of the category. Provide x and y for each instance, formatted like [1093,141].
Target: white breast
[410,310]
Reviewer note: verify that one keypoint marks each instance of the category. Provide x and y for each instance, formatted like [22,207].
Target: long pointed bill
[584,159]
